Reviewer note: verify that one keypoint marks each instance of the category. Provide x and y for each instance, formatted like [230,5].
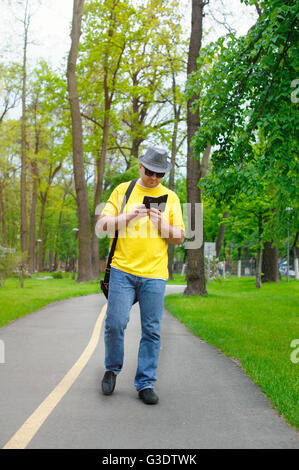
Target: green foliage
[104,247]
[248,114]
[128,53]
[7,264]
[12,263]
[57,274]
[10,87]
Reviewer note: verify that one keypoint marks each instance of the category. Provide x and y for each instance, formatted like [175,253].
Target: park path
[206,401]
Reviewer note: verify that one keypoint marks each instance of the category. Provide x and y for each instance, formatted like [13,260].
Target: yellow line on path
[27,431]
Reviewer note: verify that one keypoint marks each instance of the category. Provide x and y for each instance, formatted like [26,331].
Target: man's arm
[109,223]
[171,233]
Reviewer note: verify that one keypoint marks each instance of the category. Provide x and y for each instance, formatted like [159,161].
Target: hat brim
[156,169]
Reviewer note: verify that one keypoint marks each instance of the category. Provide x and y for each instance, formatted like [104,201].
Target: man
[139,267]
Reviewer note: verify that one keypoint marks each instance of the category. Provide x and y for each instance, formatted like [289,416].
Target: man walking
[140,268]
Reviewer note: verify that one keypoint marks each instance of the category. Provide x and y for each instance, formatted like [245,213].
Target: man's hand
[109,223]
[137,213]
[155,216]
[173,234]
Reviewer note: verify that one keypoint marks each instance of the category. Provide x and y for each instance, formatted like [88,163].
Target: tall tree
[26,23]
[174,62]
[33,202]
[195,276]
[106,30]
[85,272]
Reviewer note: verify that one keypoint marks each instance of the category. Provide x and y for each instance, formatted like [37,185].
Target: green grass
[16,302]
[255,326]
[177,279]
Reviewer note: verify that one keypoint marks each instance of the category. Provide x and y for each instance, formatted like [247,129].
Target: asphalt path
[206,400]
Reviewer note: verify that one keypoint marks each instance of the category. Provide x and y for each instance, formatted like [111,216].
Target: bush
[57,275]
[13,262]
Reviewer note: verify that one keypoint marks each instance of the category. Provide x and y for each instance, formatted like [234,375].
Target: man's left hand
[155,216]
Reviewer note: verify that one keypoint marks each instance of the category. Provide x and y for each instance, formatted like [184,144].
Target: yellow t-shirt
[140,250]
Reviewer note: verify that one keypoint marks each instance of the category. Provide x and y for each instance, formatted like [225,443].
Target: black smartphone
[157,202]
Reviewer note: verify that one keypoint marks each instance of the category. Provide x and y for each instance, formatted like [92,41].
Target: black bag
[105,282]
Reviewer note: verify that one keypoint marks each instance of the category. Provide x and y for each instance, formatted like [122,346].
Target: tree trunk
[176,114]
[55,262]
[3,220]
[221,233]
[32,222]
[41,245]
[85,266]
[270,263]
[195,276]
[23,135]
[51,261]
[33,171]
[98,195]
[259,253]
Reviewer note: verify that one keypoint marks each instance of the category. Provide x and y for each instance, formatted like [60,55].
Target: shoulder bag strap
[125,200]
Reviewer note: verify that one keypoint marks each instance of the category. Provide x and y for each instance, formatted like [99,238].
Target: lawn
[16,302]
[255,326]
[36,293]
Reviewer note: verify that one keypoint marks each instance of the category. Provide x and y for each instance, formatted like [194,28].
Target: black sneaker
[108,382]
[148,396]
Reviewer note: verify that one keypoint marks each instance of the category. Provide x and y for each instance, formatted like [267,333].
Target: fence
[243,267]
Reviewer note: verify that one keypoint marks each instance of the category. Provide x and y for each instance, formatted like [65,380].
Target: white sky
[50,26]
[51,20]
[49,30]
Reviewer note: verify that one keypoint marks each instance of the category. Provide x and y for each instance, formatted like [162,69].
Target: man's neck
[141,183]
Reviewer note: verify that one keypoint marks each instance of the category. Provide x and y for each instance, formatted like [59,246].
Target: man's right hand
[109,224]
[137,213]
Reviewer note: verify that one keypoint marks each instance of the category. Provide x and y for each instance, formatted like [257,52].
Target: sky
[49,30]
[51,19]
[51,22]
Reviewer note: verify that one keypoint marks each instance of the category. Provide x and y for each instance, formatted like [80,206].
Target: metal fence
[243,267]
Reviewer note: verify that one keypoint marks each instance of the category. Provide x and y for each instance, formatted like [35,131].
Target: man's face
[149,181]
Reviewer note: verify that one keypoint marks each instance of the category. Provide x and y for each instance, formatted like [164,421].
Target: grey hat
[155,159]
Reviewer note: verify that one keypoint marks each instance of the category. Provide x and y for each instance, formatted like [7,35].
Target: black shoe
[108,382]
[148,396]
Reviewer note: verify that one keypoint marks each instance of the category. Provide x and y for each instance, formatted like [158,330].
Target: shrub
[57,275]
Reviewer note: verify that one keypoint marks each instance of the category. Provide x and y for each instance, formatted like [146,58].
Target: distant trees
[81,133]
[127,56]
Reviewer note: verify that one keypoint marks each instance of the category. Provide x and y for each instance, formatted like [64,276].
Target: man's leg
[120,301]
[151,301]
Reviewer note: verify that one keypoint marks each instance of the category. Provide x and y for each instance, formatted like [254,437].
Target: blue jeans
[122,288]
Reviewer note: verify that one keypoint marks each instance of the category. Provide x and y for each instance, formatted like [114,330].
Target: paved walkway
[206,401]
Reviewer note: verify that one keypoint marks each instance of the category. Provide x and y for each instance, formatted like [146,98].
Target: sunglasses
[151,173]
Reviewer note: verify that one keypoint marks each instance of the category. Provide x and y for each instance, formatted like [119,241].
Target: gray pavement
[206,401]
